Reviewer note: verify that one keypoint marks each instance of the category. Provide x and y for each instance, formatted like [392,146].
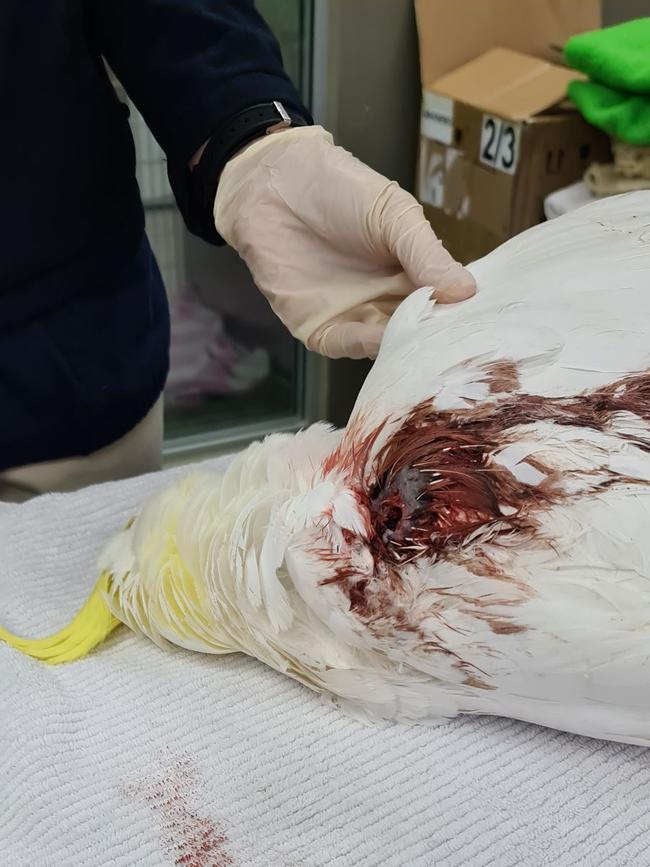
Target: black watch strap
[242,129]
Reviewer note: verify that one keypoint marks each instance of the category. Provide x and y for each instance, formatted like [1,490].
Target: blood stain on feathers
[502,377]
[434,485]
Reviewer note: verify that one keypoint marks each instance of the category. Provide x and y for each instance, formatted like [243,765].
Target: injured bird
[474,542]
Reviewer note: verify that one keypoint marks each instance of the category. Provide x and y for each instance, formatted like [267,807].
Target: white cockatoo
[476,541]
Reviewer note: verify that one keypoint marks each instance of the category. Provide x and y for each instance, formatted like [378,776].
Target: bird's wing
[561,308]
[579,651]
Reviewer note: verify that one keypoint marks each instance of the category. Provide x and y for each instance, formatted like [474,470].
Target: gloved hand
[333,245]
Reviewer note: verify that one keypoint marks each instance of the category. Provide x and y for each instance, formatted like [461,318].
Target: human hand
[333,245]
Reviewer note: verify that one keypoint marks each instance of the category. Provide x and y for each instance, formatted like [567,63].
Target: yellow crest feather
[91,626]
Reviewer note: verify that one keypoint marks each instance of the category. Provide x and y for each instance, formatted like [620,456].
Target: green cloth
[617,98]
[617,56]
[624,116]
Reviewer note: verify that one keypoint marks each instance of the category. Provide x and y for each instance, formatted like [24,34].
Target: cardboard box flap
[451,34]
[507,83]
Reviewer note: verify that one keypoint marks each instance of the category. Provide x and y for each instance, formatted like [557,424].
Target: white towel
[143,758]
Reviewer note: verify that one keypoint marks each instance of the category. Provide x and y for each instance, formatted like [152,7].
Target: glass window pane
[233,363]
[289,20]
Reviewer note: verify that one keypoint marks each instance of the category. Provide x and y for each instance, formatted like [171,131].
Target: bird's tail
[92,625]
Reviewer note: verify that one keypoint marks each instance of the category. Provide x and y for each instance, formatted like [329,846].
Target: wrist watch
[243,128]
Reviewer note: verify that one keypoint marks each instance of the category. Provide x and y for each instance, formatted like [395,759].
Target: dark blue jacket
[83,318]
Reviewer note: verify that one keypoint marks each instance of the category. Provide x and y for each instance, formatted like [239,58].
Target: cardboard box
[453,32]
[496,136]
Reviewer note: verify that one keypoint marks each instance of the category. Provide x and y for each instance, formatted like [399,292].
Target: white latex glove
[333,245]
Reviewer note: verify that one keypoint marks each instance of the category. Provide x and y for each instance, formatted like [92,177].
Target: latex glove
[333,245]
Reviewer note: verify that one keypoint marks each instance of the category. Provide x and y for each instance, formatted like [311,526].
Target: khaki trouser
[136,453]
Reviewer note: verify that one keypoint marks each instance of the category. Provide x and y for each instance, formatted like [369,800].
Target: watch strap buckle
[285,121]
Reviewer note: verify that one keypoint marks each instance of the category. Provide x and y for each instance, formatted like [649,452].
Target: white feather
[257,560]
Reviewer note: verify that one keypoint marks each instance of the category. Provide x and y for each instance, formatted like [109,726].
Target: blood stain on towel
[191,839]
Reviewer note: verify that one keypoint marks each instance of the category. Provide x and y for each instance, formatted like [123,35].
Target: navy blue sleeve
[190,65]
